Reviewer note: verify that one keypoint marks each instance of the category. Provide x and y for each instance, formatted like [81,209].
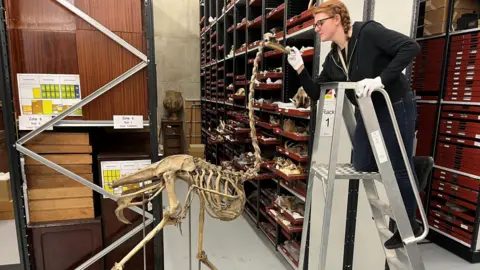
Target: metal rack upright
[15,147]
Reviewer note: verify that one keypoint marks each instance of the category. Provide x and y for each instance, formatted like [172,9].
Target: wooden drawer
[172,151]
[173,130]
[3,153]
[171,143]
[114,229]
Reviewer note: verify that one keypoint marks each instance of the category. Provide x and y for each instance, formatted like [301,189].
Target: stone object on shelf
[173,103]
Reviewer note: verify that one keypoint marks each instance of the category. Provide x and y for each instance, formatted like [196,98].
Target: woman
[373,56]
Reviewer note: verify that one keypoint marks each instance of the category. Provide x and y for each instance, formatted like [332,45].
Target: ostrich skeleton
[220,191]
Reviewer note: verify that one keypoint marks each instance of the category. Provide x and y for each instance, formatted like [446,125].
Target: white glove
[366,86]
[295,58]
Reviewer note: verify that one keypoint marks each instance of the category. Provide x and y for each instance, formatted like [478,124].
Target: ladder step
[396,263]
[345,171]
[382,207]
[401,252]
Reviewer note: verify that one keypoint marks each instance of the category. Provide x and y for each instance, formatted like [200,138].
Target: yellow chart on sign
[113,170]
[49,94]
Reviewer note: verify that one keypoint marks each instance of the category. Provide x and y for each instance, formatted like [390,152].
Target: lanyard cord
[343,61]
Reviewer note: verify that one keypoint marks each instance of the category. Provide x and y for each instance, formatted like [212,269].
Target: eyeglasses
[320,23]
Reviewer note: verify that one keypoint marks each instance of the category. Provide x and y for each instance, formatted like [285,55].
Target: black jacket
[373,50]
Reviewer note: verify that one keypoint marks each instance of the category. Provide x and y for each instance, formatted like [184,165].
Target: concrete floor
[231,245]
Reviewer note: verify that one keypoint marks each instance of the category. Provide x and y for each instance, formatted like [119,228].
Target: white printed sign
[32,122]
[48,94]
[127,121]
[112,170]
[379,146]
[328,117]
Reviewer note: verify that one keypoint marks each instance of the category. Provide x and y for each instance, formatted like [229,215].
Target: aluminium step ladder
[407,257]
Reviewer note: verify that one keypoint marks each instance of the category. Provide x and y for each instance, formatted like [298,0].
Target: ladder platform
[345,171]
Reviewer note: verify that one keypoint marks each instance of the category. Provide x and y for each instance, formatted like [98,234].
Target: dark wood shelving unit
[238,32]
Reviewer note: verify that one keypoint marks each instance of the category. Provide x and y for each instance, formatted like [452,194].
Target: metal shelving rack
[236,70]
[15,148]
[471,252]
[214,153]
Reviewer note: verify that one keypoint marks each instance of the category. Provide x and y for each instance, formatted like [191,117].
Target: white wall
[9,246]
[368,248]
[177,48]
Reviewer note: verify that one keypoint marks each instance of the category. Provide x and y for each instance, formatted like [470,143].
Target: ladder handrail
[409,169]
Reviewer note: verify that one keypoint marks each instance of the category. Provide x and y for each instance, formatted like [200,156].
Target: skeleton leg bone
[201,255]
[167,220]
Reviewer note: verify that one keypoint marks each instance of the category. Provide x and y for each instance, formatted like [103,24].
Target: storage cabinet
[66,245]
[173,137]
[112,228]
[446,78]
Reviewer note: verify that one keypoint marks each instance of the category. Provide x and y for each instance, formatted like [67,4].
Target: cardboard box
[5,191]
[6,210]
[197,150]
[434,29]
[462,4]
[440,15]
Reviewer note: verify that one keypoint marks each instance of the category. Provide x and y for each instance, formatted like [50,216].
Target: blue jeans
[364,160]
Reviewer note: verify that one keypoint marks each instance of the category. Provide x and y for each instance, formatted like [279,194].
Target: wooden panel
[113,141]
[44,170]
[101,60]
[3,153]
[60,138]
[67,149]
[58,193]
[66,245]
[114,229]
[41,52]
[60,159]
[116,15]
[42,205]
[35,181]
[39,14]
[61,214]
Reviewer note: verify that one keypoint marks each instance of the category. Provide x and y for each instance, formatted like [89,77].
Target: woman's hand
[295,59]
[366,86]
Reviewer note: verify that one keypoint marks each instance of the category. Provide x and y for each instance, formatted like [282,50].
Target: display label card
[32,122]
[326,129]
[127,121]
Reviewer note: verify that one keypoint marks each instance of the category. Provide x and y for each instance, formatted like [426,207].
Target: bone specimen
[301,99]
[220,190]
[240,92]
[274,120]
[275,30]
[291,203]
[289,126]
[300,149]
[288,167]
